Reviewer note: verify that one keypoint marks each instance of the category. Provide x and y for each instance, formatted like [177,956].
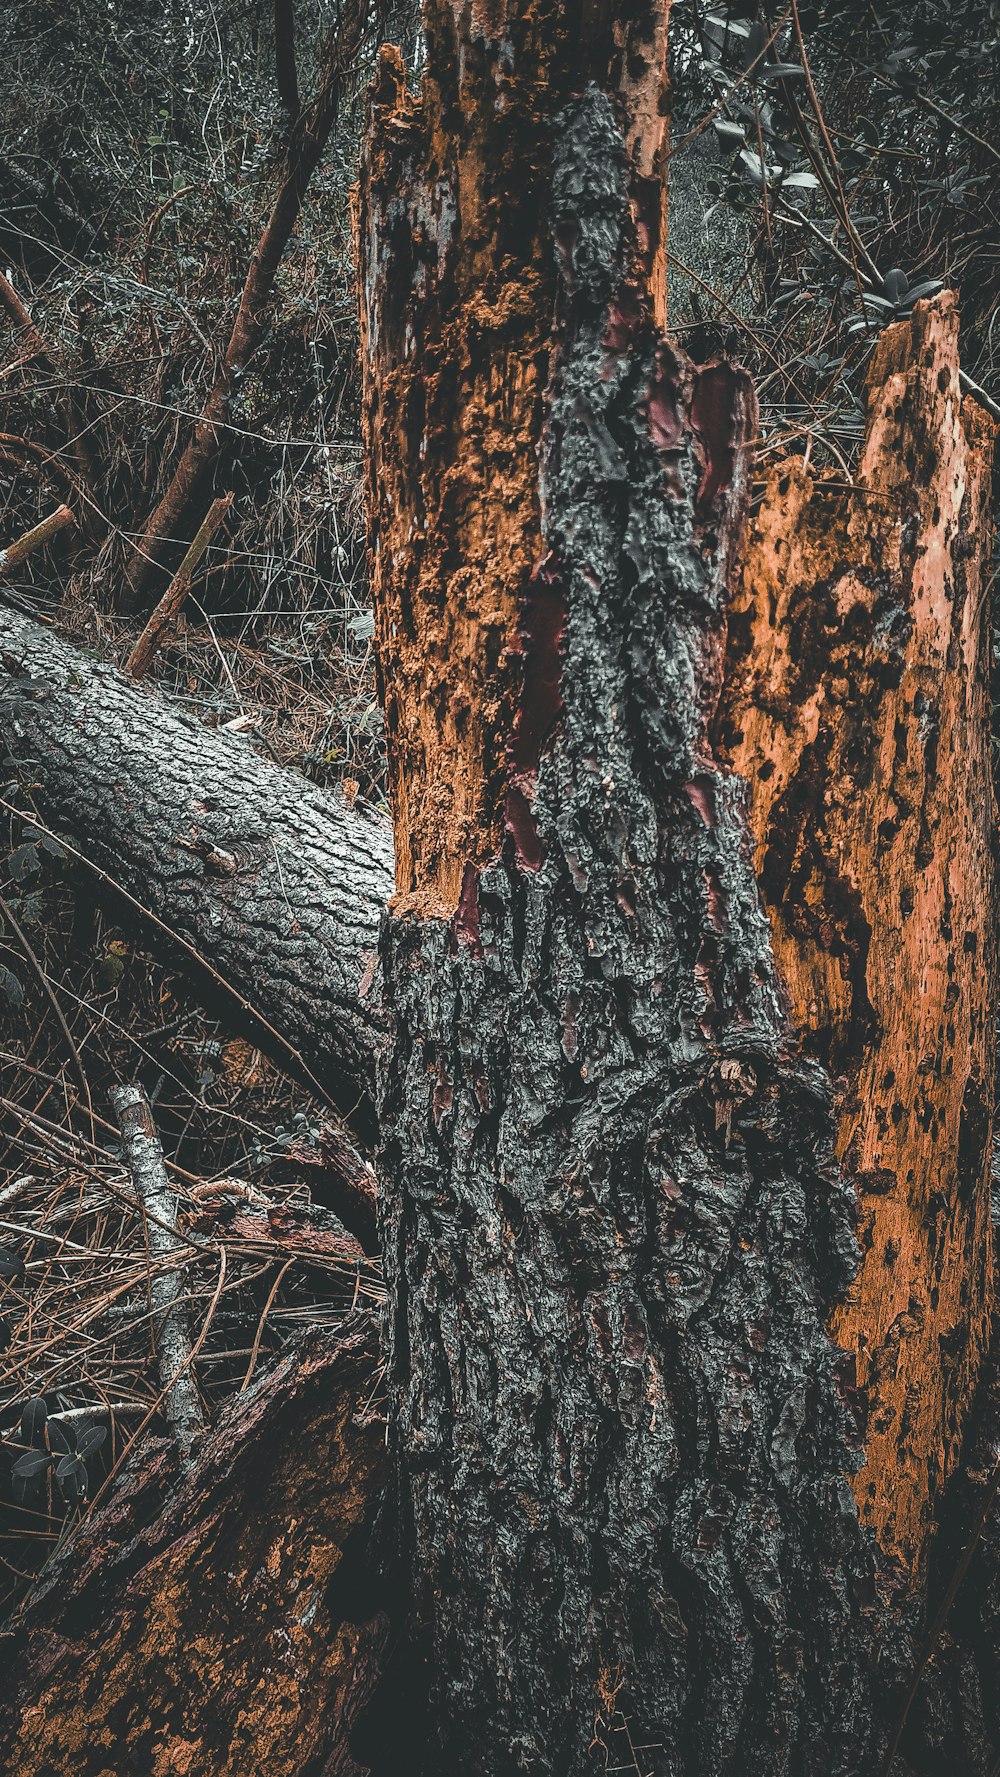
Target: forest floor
[84,1007]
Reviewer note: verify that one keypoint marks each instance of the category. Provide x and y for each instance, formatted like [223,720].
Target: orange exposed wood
[857,709]
[458,297]
[40,534]
[204,1628]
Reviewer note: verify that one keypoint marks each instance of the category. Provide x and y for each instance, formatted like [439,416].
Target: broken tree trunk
[221,1622]
[856,706]
[276,886]
[614,1224]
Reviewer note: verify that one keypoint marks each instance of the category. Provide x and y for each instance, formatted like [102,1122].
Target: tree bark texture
[457,337]
[276,885]
[212,1625]
[856,706]
[614,1223]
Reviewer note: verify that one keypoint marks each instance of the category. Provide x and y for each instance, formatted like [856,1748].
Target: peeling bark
[856,706]
[277,886]
[458,292]
[216,1625]
[614,1225]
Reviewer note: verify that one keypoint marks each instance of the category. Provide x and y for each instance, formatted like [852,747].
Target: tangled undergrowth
[139,169]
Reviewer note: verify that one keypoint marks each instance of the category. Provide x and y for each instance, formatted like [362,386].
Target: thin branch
[172,1334]
[305,150]
[172,600]
[50,994]
[18,551]
[20,318]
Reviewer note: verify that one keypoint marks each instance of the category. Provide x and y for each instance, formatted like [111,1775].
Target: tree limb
[18,551]
[177,591]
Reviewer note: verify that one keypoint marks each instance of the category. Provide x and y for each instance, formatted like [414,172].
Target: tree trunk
[858,669]
[276,886]
[218,1624]
[614,1226]
[618,1204]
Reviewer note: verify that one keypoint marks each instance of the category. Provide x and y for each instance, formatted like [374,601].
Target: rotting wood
[856,708]
[458,296]
[222,1622]
[158,1208]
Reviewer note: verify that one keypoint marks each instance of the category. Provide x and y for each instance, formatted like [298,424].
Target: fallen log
[276,888]
[219,1623]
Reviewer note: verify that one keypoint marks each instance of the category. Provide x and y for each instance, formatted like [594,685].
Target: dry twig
[144,1158]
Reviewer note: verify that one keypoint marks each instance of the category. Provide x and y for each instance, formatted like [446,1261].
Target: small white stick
[172,1335]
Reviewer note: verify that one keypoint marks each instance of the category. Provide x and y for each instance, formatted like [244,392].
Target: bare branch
[177,591]
[144,1159]
[16,552]
[305,149]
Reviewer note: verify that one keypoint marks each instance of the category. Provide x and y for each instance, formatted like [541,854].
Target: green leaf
[11,988]
[33,1421]
[92,1440]
[32,1464]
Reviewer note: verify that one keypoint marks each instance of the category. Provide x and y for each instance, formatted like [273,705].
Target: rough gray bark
[277,885]
[614,1225]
